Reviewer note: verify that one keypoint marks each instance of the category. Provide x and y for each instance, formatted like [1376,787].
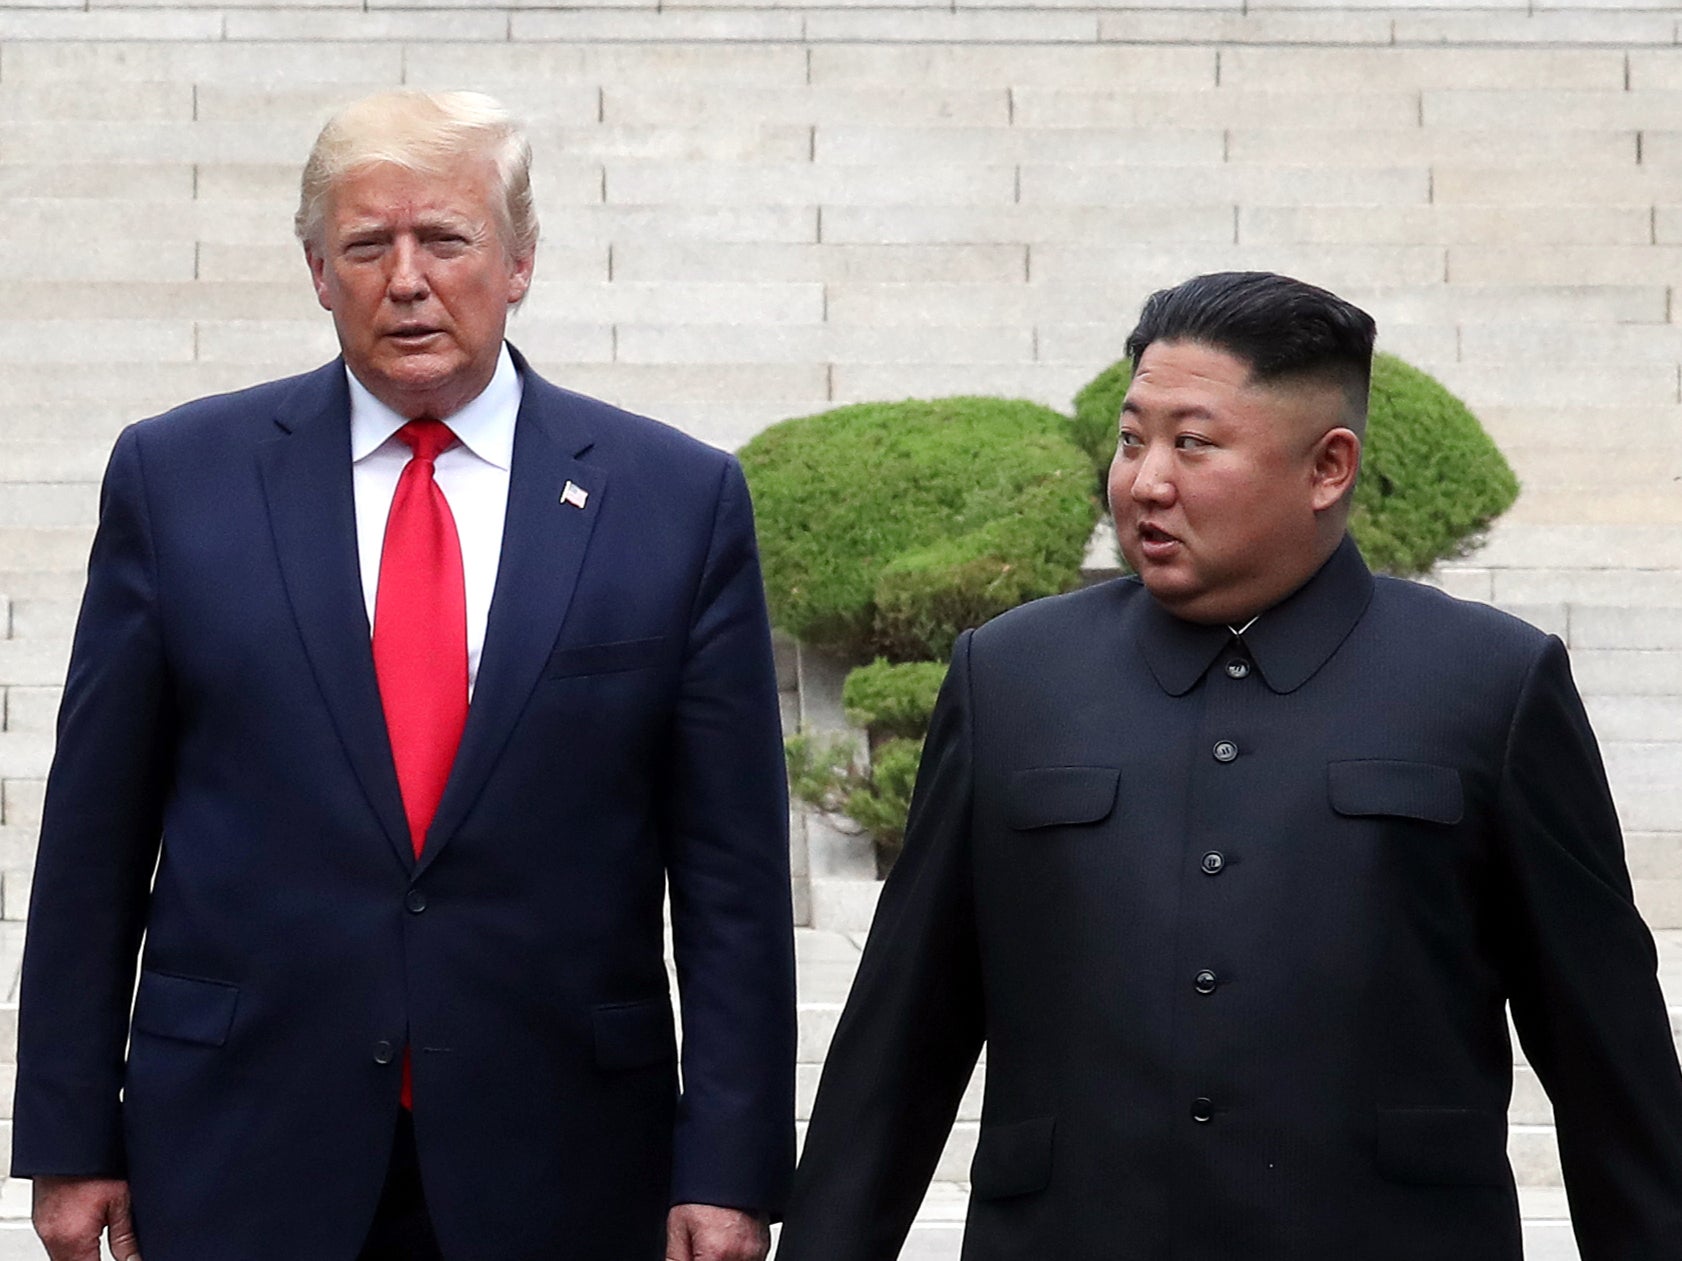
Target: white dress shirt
[473,474]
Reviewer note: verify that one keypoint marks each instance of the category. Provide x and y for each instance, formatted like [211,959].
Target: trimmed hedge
[887,528]
[889,699]
[1431,478]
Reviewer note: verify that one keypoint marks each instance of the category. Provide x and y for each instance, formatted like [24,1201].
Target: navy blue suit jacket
[223,790]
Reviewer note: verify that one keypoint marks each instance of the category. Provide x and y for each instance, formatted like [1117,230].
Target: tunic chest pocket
[1407,790]
[1055,796]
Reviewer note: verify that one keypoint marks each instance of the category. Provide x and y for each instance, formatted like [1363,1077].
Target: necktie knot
[427,438]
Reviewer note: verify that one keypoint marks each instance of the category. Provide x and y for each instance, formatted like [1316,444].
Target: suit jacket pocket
[1013,1159]
[1046,796]
[1408,790]
[1443,1146]
[185,1008]
[609,658]
[634,1035]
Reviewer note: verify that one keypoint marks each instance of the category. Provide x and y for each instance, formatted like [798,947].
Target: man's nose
[1152,482]
[407,279]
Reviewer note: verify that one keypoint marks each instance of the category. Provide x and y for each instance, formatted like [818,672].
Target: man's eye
[1129,439]
[362,249]
[1190,442]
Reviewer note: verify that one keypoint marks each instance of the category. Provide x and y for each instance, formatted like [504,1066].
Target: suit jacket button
[1225,751]
[1202,1111]
[384,1053]
[1205,981]
[1238,669]
[415,901]
[1213,862]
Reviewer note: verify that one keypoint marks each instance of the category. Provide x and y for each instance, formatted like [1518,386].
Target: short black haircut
[1284,329]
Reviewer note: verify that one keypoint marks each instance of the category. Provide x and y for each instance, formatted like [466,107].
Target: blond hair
[424,132]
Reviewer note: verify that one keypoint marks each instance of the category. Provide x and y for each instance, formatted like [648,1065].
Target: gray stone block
[1642,718]
[1220,27]
[33,663]
[888,106]
[456,26]
[25,754]
[654,261]
[1614,30]
[1207,222]
[824,343]
[20,803]
[47,504]
[203,61]
[970,65]
[1601,626]
[677,25]
[1034,107]
[20,25]
[844,905]
[808,183]
[1366,69]
[33,709]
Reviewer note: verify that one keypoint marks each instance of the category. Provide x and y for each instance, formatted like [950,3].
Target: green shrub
[887,528]
[889,699]
[880,802]
[826,775]
[1431,478]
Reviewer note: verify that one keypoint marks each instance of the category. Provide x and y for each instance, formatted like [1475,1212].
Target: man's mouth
[1155,542]
[412,332]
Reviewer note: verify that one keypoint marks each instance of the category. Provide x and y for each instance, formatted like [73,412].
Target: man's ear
[519,277]
[318,275]
[1336,459]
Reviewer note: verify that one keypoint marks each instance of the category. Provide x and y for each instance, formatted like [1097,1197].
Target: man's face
[419,281]
[1218,483]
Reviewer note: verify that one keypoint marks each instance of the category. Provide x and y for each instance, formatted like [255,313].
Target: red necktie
[420,636]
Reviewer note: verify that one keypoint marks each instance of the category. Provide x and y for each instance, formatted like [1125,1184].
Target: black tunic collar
[1289,642]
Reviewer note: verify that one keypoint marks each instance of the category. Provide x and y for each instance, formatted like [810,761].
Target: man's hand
[70,1213]
[703,1232]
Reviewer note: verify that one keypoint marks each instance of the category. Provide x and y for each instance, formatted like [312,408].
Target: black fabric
[402,1229]
[1240,945]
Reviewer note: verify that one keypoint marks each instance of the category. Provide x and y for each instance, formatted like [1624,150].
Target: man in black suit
[1236,868]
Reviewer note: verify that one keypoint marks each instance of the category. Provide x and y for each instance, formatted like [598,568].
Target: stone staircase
[754,211]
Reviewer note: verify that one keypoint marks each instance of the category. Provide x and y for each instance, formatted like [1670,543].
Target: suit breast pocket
[617,657]
[1385,788]
[1060,796]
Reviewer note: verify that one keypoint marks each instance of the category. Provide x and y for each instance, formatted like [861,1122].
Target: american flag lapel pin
[575,495]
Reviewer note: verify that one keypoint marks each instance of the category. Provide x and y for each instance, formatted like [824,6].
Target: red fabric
[420,636]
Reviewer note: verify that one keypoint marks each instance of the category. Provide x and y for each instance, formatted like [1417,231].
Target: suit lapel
[312,512]
[544,539]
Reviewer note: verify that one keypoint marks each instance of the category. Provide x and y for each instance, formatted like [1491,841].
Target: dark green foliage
[887,528]
[879,804]
[889,699]
[825,774]
[1431,479]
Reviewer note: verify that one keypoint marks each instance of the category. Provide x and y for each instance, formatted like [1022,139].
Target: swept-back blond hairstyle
[425,132]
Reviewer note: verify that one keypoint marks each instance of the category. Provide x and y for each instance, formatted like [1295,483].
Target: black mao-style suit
[1238,920]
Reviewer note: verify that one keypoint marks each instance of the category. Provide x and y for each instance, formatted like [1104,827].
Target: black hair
[1283,328]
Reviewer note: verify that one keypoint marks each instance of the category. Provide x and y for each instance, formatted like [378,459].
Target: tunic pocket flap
[609,658]
[1045,796]
[1443,1146]
[185,1008]
[1408,790]
[1013,1159]
[634,1035]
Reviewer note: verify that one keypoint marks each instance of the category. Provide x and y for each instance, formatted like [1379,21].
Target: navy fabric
[221,723]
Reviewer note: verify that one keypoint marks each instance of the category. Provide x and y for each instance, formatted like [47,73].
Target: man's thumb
[124,1245]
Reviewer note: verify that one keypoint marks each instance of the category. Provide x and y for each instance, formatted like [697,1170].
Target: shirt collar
[1289,645]
[485,426]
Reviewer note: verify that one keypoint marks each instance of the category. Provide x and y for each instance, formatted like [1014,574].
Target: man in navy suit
[1237,866]
[402,693]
